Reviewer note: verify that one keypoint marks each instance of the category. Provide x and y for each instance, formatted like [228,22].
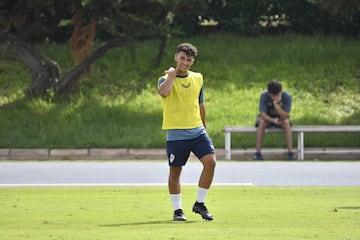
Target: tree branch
[66,80]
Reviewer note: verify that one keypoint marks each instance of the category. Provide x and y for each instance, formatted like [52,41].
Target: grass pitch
[240,212]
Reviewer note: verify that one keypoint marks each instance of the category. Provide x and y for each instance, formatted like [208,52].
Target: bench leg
[228,146]
[301,146]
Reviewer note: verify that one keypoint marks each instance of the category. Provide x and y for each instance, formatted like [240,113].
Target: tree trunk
[45,72]
[69,78]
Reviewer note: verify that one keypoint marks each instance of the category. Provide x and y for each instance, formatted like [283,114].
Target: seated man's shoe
[291,156]
[258,156]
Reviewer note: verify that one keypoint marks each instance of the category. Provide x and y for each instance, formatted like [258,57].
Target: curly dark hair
[189,49]
[274,87]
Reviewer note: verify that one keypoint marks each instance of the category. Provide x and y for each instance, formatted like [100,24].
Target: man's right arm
[166,86]
[267,118]
[263,110]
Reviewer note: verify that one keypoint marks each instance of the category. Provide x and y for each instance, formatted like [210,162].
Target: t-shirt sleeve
[161,80]
[262,103]
[286,99]
[201,96]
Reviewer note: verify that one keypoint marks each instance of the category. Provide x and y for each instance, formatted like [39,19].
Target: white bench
[299,130]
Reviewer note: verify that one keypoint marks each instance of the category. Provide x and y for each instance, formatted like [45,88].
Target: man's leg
[288,138]
[288,134]
[260,134]
[174,180]
[206,178]
[259,138]
[207,174]
[175,192]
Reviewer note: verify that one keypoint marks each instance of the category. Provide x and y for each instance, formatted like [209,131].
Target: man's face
[184,62]
[276,97]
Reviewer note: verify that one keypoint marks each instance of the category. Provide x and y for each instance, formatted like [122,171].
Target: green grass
[138,213]
[118,106]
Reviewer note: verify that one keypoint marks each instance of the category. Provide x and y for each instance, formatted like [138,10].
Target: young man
[274,107]
[184,121]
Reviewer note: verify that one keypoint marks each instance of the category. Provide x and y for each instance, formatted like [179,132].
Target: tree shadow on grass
[144,223]
[85,122]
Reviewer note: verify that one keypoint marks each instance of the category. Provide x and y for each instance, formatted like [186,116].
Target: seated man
[274,107]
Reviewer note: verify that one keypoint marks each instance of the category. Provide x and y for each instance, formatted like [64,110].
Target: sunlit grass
[137,213]
[117,105]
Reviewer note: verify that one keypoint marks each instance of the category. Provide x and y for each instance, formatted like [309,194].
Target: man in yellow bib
[184,120]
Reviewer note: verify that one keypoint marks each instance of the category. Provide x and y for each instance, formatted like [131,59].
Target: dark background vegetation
[116,23]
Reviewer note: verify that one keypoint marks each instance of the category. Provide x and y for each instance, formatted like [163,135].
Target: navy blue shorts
[179,151]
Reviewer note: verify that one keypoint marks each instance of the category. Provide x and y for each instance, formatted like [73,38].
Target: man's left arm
[202,107]
[203,114]
[283,111]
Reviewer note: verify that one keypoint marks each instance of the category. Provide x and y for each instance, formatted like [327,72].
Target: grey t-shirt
[266,103]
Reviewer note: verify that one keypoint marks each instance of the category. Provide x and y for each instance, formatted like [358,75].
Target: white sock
[202,193]
[176,201]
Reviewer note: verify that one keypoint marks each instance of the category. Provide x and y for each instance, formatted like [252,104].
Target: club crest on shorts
[171,158]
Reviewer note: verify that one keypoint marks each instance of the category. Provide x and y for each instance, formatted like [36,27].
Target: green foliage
[118,105]
[137,213]
[50,20]
[251,18]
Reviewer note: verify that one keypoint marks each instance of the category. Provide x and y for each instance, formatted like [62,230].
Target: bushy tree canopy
[115,22]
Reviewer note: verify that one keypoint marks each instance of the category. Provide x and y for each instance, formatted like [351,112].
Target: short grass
[118,105]
[144,213]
